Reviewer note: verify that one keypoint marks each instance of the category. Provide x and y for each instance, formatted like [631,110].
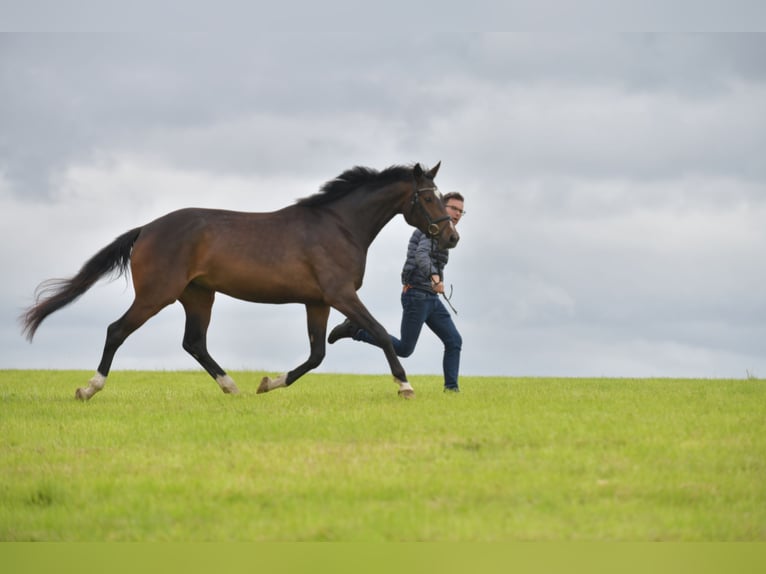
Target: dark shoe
[343,331]
[451,390]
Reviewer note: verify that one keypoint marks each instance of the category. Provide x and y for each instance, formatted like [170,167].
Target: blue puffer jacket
[423,260]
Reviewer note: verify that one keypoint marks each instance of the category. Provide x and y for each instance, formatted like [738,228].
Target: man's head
[453,201]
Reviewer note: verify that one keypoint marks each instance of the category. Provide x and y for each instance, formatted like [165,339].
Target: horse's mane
[355,178]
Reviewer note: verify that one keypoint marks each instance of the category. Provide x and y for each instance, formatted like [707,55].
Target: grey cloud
[95,92]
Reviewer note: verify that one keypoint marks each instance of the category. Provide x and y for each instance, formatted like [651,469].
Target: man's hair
[452,195]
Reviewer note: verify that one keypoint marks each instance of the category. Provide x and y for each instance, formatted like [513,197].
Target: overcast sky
[615,187]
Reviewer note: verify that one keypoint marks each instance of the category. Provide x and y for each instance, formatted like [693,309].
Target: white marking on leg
[95,384]
[280,381]
[227,384]
[405,389]
[269,384]
[97,381]
[405,386]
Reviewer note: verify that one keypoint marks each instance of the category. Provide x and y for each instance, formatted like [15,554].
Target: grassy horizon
[165,456]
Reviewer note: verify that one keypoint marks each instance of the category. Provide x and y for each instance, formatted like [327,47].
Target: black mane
[355,178]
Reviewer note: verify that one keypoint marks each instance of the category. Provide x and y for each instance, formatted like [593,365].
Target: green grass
[165,456]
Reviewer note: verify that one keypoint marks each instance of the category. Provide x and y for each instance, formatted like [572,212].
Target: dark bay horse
[312,252]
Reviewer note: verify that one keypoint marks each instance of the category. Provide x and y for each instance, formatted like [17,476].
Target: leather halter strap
[433,224]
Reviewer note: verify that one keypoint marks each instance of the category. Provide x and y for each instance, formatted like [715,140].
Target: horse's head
[426,209]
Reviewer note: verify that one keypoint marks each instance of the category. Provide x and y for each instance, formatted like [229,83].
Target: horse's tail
[53,294]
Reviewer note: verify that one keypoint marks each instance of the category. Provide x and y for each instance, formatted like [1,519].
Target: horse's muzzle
[448,238]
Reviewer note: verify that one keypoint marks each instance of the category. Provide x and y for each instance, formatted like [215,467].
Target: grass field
[165,456]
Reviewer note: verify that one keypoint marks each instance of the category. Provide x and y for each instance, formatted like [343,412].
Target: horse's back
[194,224]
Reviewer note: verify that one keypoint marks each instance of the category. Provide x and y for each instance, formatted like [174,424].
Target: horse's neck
[366,213]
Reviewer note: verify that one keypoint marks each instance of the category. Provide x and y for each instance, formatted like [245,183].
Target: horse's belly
[265,287]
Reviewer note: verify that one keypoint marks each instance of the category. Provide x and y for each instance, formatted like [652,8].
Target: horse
[312,252]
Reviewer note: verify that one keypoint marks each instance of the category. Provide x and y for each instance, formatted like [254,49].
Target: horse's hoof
[407,394]
[264,386]
[80,395]
[269,384]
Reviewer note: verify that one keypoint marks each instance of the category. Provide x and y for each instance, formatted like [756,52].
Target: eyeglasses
[457,209]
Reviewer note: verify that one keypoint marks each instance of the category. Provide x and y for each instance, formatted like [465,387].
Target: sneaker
[343,331]
[451,390]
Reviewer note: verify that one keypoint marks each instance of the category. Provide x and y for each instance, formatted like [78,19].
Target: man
[423,282]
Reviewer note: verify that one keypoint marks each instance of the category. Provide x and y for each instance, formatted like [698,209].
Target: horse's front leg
[397,370]
[358,314]
[316,316]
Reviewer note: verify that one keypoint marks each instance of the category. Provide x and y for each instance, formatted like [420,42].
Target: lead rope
[446,298]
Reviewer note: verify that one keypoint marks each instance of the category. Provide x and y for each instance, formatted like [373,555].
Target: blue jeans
[419,308]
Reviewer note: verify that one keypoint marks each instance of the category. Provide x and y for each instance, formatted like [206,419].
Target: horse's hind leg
[316,316]
[198,304]
[116,333]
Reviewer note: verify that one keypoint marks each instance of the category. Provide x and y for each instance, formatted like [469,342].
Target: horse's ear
[434,170]
[418,171]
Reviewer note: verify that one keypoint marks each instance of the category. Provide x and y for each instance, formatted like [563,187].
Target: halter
[433,224]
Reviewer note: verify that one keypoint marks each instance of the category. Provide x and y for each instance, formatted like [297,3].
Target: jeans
[419,308]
